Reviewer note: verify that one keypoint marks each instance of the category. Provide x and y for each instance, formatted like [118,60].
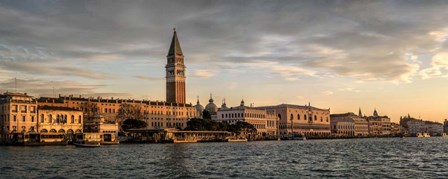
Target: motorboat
[87,144]
[423,134]
[236,139]
[87,140]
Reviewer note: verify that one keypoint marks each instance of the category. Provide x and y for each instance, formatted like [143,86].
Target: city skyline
[330,54]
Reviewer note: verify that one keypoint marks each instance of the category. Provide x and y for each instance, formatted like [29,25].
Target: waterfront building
[18,114]
[349,124]
[307,120]
[421,126]
[413,126]
[156,114]
[263,120]
[378,125]
[53,119]
[395,129]
[107,130]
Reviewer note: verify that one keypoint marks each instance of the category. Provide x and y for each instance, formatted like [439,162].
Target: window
[298,116]
[42,118]
[32,118]
[50,117]
[23,118]
[292,117]
[315,117]
[79,119]
[72,119]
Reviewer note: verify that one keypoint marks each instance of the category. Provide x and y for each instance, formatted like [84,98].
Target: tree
[133,124]
[198,124]
[206,115]
[129,111]
[242,127]
[89,110]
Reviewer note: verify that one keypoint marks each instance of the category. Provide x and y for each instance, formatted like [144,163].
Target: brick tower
[175,73]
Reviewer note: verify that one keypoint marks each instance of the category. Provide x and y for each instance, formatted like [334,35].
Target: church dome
[199,107]
[211,107]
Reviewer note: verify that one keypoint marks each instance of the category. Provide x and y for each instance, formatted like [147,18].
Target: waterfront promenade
[355,158]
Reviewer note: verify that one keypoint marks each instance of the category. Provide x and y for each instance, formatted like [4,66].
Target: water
[354,158]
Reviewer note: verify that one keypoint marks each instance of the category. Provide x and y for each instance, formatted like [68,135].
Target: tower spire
[175,45]
[360,113]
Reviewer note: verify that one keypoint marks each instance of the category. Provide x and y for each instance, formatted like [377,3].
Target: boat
[237,139]
[423,134]
[294,136]
[88,140]
[444,135]
[87,144]
[185,140]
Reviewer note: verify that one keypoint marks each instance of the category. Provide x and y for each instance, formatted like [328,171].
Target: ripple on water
[357,158]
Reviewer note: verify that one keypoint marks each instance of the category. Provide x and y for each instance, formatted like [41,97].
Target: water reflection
[357,158]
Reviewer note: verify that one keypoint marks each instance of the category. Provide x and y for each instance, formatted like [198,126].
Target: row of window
[168,119]
[60,119]
[160,124]
[305,117]
[5,118]
[23,108]
[241,115]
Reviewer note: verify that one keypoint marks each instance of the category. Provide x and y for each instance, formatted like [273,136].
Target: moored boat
[237,139]
[88,140]
[423,134]
[87,144]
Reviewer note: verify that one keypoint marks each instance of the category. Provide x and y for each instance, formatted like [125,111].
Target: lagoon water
[353,158]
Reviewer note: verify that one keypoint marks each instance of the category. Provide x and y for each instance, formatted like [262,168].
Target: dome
[211,107]
[199,107]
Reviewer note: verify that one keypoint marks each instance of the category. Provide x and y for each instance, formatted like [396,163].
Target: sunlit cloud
[203,73]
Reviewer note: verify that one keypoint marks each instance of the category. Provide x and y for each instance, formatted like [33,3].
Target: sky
[391,56]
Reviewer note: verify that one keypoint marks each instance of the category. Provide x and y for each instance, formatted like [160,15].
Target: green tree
[206,115]
[198,124]
[89,110]
[242,127]
[133,124]
[129,111]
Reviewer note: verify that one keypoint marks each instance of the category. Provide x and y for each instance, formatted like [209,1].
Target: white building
[264,121]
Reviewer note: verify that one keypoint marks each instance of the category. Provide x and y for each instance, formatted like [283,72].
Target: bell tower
[175,73]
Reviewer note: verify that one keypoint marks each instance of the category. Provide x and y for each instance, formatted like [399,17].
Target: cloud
[438,68]
[149,78]
[350,90]
[203,73]
[327,93]
[45,69]
[41,87]
[348,39]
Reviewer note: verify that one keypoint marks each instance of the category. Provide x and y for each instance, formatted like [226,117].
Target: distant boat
[87,144]
[87,140]
[185,140]
[294,137]
[237,139]
[423,134]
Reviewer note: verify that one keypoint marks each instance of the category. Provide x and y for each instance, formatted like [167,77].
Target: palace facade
[307,120]
[264,121]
